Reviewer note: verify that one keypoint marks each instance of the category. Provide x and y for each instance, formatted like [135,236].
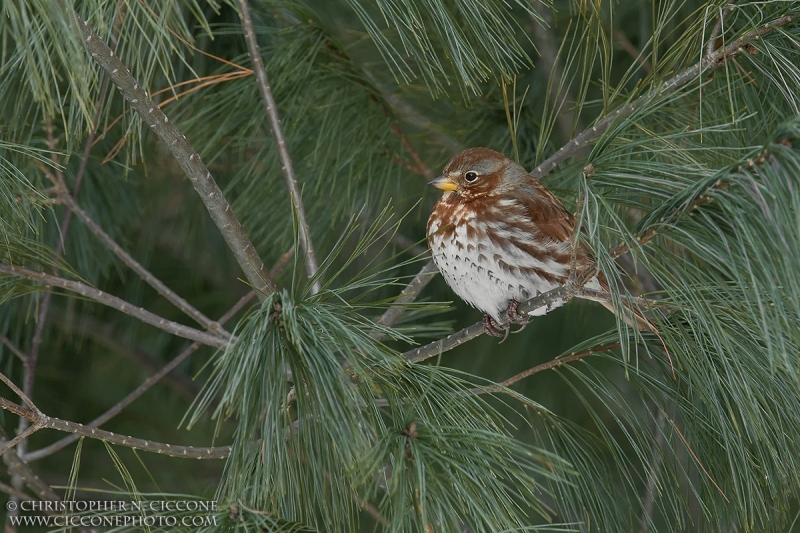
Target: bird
[499,237]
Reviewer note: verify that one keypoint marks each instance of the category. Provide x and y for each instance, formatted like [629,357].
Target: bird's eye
[471,176]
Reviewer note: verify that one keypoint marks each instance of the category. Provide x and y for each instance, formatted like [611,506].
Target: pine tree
[213,236]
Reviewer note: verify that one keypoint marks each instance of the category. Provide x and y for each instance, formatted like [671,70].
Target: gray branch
[186,156]
[117,303]
[147,277]
[453,340]
[407,295]
[155,378]
[280,144]
[714,60]
[41,421]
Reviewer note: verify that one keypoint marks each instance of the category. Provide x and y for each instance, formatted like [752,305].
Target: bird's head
[478,172]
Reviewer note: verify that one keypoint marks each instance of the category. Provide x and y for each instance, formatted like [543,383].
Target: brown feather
[499,206]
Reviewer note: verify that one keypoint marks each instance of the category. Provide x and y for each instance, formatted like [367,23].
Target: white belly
[488,277]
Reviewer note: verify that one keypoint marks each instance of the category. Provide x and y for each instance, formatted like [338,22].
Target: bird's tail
[633,317]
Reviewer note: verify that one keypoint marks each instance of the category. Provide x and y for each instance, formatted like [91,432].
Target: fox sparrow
[499,237]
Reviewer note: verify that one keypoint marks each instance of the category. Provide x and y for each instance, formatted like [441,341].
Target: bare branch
[714,60]
[407,295]
[18,468]
[142,272]
[40,420]
[13,347]
[280,144]
[476,330]
[186,156]
[155,378]
[117,303]
[11,491]
[19,438]
[711,46]
[548,365]
[24,397]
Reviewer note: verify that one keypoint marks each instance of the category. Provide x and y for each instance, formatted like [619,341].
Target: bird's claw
[513,315]
[494,329]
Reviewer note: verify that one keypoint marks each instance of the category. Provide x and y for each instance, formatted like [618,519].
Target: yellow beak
[445,183]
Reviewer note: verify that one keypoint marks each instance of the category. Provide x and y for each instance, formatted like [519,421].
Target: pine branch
[312,266]
[155,378]
[160,287]
[13,347]
[18,468]
[715,60]
[186,156]
[711,47]
[117,303]
[555,363]
[407,295]
[453,340]
[651,232]
[32,358]
[39,420]
[710,61]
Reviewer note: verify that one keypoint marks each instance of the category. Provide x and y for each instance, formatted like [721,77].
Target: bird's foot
[514,317]
[494,329]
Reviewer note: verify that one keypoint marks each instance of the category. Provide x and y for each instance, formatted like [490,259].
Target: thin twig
[407,295]
[117,303]
[711,46]
[413,117]
[11,491]
[152,380]
[547,366]
[648,234]
[141,271]
[13,347]
[43,421]
[419,166]
[476,330]
[19,410]
[371,510]
[18,468]
[186,156]
[718,58]
[19,438]
[638,300]
[694,456]
[24,397]
[280,144]
[622,41]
